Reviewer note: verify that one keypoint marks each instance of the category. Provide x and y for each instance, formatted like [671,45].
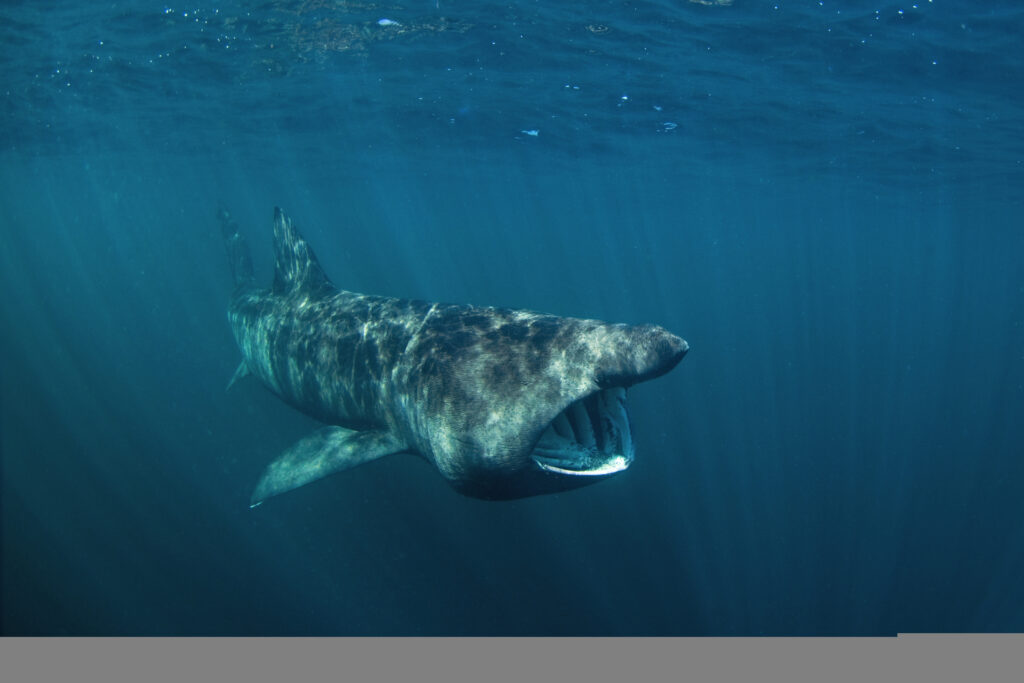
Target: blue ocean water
[823,198]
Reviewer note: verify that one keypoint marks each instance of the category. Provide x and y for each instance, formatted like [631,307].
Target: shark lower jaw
[590,438]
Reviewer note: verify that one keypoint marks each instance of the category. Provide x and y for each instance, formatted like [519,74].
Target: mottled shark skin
[504,403]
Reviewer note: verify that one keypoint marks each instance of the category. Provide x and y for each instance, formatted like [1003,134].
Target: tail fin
[238,249]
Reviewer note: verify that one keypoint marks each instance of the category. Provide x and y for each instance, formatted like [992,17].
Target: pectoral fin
[324,452]
[242,371]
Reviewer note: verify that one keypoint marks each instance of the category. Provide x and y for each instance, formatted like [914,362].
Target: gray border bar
[910,657]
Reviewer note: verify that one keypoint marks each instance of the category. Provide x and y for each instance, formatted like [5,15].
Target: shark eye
[589,438]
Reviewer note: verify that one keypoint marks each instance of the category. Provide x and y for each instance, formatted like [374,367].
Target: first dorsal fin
[295,264]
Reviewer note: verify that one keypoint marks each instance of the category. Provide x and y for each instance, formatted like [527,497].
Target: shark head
[519,404]
[592,436]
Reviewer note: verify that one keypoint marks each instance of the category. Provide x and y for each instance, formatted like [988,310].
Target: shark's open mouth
[589,438]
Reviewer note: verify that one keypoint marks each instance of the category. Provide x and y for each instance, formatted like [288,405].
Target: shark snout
[642,352]
[662,352]
[675,349]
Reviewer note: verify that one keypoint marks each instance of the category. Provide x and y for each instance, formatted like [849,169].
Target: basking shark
[504,403]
